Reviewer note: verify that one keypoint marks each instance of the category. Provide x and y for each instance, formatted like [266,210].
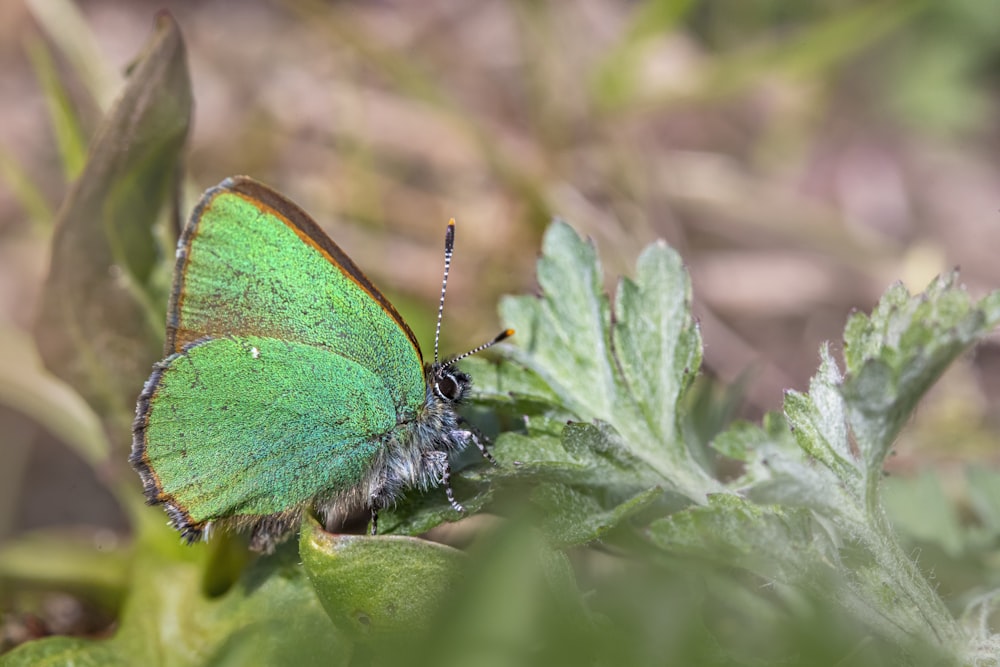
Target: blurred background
[800,156]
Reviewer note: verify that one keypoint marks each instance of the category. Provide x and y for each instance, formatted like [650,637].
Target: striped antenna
[449,249]
[503,335]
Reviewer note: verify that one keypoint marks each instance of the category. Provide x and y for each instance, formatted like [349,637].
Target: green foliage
[617,542]
[269,616]
[103,248]
[69,135]
[630,374]
[366,585]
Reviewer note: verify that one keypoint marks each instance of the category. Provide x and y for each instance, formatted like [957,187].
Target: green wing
[250,262]
[252,426]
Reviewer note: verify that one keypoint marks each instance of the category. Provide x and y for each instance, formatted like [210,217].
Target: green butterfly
[291,382]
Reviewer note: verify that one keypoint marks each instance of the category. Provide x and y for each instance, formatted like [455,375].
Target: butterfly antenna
[449,249]
[503,335]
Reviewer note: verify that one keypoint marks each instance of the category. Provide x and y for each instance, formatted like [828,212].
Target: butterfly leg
[446,481]
[380,496]
[440,461]
[270,531]
[473,434]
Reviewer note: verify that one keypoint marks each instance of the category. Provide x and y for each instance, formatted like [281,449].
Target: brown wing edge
[180,518]
[183,248]
[266,530]
[292,214]
[289,211]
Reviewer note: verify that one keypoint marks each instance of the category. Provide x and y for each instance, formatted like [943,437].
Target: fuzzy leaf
[97,328]
[419,511]
[657,343]
[514,389]
[542,442]
[575,517]
[985,644]
[629,374]
[372,587]
[778,472]
[819,422]
[567,331]
[775,543]
[896,354]
[270,616]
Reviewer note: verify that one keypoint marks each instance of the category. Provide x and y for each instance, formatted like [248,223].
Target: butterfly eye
[447,387]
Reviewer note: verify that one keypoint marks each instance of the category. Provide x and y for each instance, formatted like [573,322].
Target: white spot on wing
[255,353]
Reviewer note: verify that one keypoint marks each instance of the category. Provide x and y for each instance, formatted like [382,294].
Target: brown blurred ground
[799,159]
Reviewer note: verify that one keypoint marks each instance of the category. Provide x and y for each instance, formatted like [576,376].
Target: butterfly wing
[253,426]
[251,262]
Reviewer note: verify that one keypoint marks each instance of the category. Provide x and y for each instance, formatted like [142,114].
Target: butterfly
[290,381]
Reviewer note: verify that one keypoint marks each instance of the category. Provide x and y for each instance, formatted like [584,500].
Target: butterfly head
[448,383]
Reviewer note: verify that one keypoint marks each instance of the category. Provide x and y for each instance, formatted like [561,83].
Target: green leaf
[742,440]
[658,345]
[541,443]
[567,331]
[842,430]
[848,423]
[52,560]
[630,374]
[69,135]
[516,390]
[775,543]
[591,454]
[64,23]
[778,472]
[895,355]
[984,497]
[604,452]
[518,604]
[29,388]
[419,511]
[98,328]
[27,193]
[575,517]
[270,616]
[373,587]
[919,508]
[819,423]
[61,651]
[586,482]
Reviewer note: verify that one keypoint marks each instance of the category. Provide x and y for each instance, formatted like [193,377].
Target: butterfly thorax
[415,453]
